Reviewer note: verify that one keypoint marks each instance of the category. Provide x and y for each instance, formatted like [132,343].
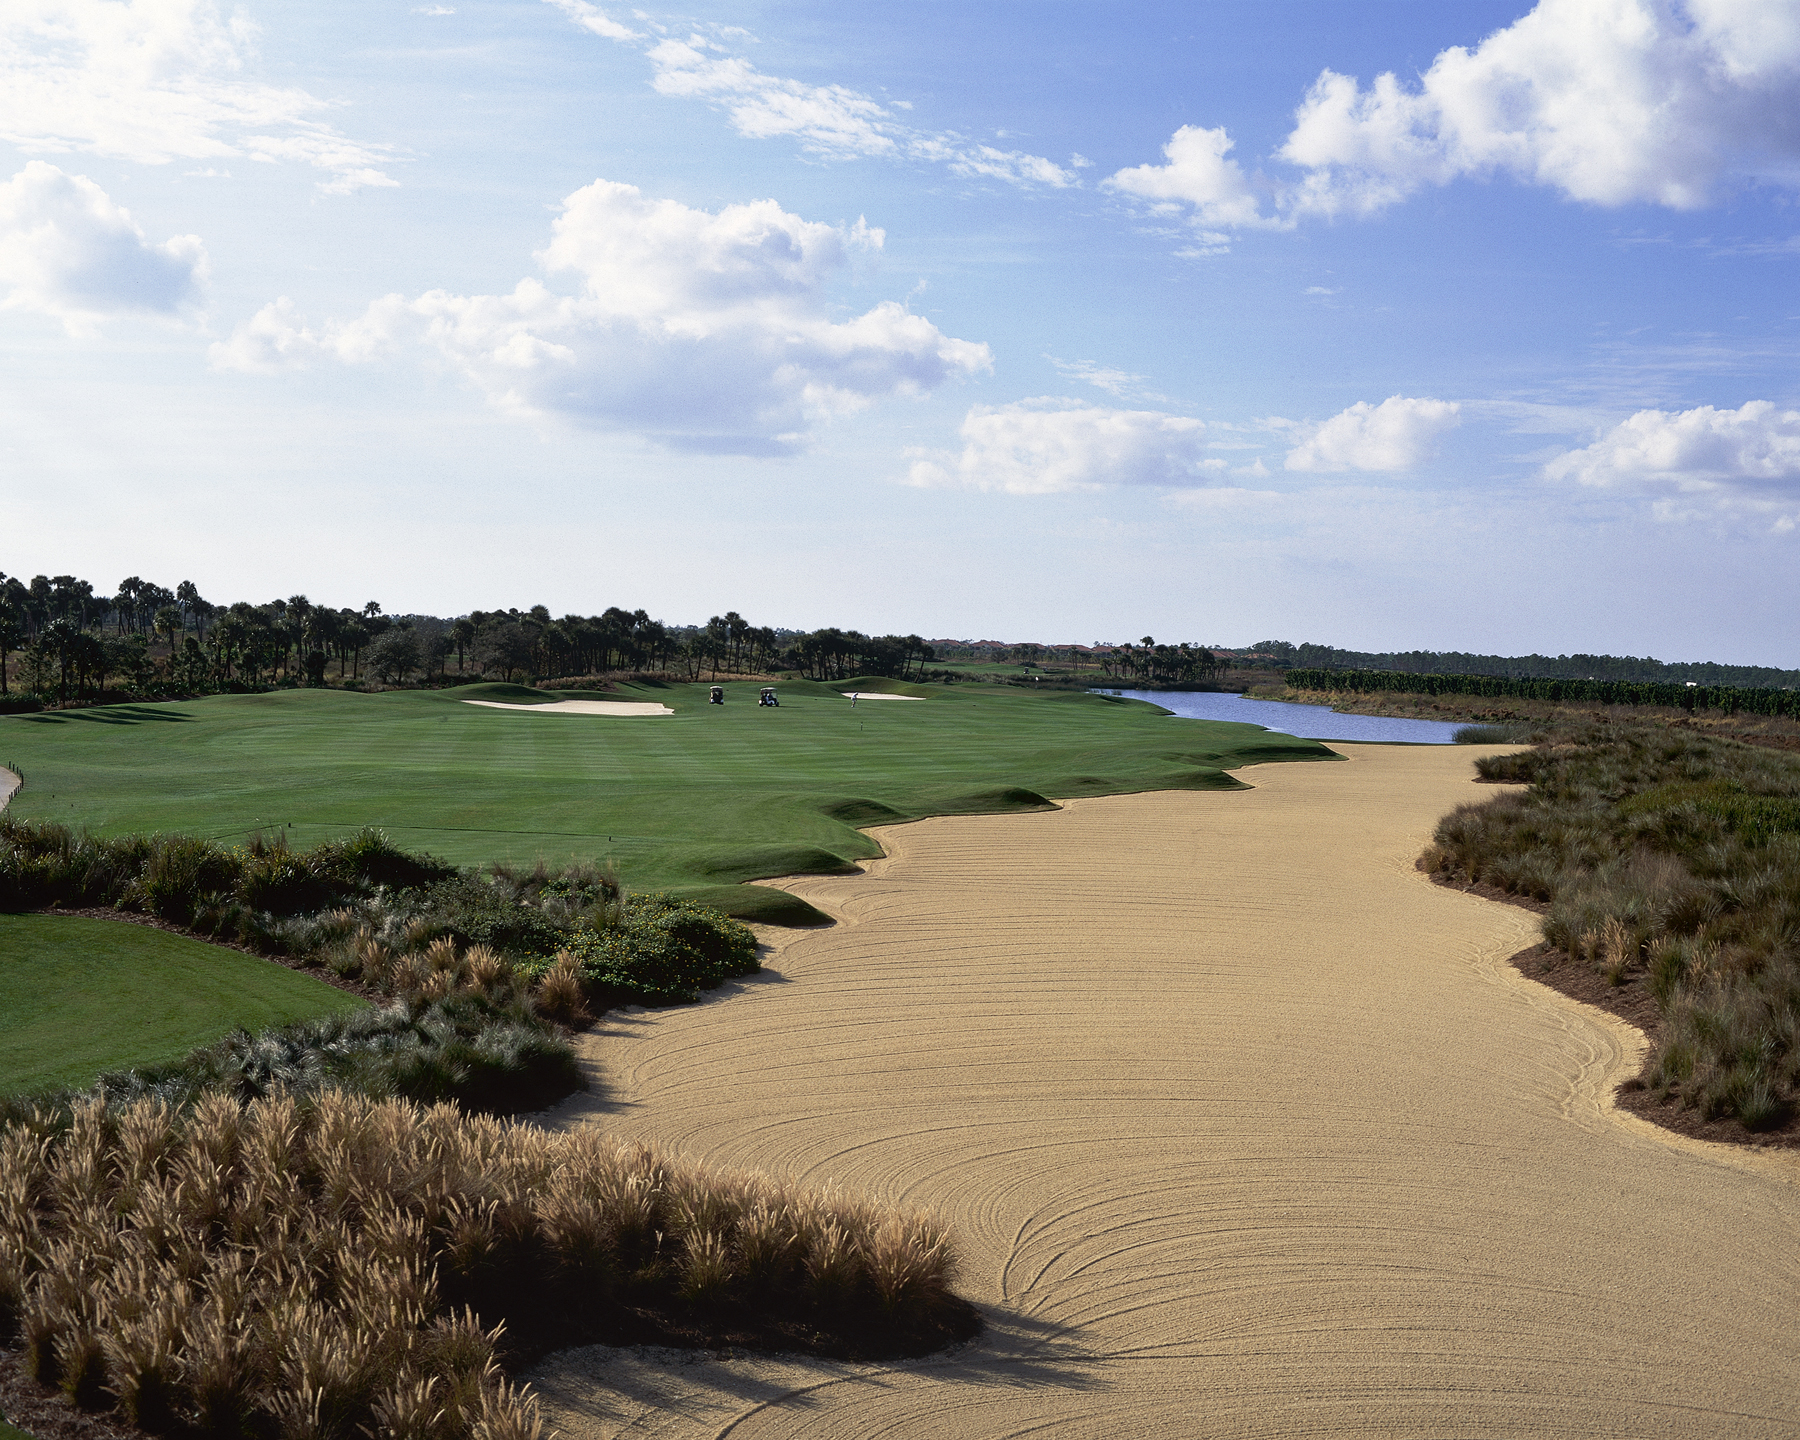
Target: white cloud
[1046,446]
[67,250]
[1198,177]
[1610,102]
[828,120]
[706,332]
[592,18]
[158,80]
[1397,434]
[1746,459]
[1120,383]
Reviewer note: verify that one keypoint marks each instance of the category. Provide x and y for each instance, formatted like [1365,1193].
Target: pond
[1310,722]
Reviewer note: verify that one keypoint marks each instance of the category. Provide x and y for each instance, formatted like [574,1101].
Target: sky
[1387,326]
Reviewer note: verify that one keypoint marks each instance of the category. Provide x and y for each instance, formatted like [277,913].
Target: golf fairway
[697,800]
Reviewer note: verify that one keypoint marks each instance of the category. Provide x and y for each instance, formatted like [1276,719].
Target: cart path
[1245,1127]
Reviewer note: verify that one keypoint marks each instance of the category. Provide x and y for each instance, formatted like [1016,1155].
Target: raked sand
[1246,1130]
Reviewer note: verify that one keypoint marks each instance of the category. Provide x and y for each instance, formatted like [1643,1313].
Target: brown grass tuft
[561,995]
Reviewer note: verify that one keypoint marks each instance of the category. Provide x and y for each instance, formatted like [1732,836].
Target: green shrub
[476,912]
[369,858]
[662,951]
[182,871]
[487,1055]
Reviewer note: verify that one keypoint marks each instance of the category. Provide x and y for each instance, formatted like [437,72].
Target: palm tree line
[62,641]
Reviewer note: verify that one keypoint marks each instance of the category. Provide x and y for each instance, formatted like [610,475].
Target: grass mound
[338,1265]
[84,996]
[1670,860]
[506,693]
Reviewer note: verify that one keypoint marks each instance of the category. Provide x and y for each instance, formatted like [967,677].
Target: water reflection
[1310,722]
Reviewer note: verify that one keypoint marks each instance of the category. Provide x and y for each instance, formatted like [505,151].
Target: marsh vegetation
[1672,860]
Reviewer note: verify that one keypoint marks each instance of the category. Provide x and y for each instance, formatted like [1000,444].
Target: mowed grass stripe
[699,799]
[81,996]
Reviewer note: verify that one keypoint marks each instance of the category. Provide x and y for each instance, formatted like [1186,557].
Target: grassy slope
[705,798]
[80,996]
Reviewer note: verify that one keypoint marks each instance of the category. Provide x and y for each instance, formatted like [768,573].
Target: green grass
[79,997]
[694,802]
[12,1432]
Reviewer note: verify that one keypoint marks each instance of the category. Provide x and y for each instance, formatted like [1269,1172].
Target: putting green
[80,996]
[697,801]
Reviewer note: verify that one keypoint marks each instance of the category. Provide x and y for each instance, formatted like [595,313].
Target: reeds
[306,1268]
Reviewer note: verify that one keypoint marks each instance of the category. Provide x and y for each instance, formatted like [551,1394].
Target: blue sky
[1383,325]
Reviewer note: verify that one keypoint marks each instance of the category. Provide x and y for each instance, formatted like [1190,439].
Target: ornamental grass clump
[1669,859]
[336,1265]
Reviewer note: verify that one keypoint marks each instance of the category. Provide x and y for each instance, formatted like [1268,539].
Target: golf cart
[767,697]
[717,695]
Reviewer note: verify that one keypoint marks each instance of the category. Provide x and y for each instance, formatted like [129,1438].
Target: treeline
[1732,699]
[61,640]
[1159,663]
[1145,660]
[1617,668]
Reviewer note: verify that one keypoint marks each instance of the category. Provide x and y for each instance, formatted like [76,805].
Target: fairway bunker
[1244,1127]
[580,707]
[877,695]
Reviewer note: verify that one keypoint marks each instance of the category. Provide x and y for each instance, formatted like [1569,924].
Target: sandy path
[580,707]
[9,782]
[1247,1130]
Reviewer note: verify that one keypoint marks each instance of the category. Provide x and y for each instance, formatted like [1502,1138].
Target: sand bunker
[581,707]
[876,695]
[1246,1129]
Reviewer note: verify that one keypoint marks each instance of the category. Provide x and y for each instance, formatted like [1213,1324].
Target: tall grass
[1670,859]
[320,1267]
[1494,734]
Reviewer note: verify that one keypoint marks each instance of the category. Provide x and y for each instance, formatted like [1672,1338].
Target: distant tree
[505,647]
[168,624]
[316,661]
[394,654]
[463,633]
[12,629]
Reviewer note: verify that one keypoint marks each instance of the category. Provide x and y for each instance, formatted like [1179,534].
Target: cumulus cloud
[1397,434]
[159,80]
[1745,459]
[67,250]
[1610,102]
[706,332]
[1198,178]
[1046,446]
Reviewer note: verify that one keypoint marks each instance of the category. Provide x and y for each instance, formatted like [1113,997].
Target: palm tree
[168,622]
[63,635]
